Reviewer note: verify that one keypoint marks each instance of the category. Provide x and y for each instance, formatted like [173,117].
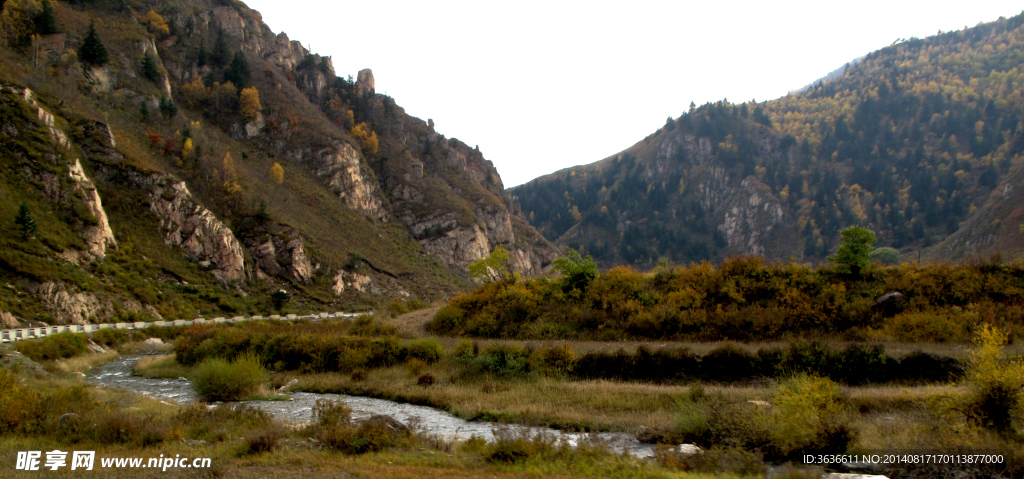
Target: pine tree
[167,108]
[25,223]
[219,56]
[92,53]
[202,56]
[149,69]
[45,22]
[144,111]
[238,73]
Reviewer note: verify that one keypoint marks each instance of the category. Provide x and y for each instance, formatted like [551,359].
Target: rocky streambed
[118,374]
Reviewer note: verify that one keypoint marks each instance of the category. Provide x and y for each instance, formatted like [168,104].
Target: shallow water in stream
[118,374]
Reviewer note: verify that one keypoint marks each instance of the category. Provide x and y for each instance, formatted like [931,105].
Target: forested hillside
[162,159]
[919,141]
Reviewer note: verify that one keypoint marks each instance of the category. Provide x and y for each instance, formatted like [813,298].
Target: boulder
[891,303]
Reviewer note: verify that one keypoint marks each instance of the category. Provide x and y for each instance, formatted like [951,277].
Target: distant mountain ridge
[920,141]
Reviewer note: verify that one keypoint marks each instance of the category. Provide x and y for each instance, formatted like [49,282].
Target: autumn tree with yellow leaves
[249,103]
[366,137]
[155,23]
[277,173]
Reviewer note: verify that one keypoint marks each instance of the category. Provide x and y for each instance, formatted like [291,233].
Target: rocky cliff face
[195,229]
[452,199]
[342,169]
[280,251]
[70,307]
[98,235]
[185,223]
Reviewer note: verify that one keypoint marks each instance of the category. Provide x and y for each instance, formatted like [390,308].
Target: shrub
[511,445]
[115,338]
[577,271]
[465,351]
[17,402]
[425,380]
[555,360]
[931,326]
[376,433]
[120,427]
[428,350]
[58,346]
[415,366]
[450,319]
[727,363]
[885,255]
[216,379]
[504,361]
[994,383]
[810,416]
[327,413]
[264,439]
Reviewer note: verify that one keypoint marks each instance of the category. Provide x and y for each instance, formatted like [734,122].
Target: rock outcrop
[45,117]
[364,82]
[68,307]
[454,203]
[340,166]
[8,320]
[97,233]
[195,229]
[281,251]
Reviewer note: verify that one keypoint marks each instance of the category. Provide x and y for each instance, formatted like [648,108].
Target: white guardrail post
[18,334]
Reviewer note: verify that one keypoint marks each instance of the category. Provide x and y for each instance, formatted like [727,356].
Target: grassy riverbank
[48,411]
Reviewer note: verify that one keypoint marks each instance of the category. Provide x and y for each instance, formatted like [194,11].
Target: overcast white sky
[542,86]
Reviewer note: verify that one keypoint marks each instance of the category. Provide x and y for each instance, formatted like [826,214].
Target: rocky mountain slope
[203,164]
[920,141]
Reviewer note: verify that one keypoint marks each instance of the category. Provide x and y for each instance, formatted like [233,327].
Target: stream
[118,374]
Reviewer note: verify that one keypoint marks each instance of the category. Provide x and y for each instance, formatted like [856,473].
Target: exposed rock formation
[98,236]
[281,251]
[195,229]
[364,82]
[45,117]
[347,176]
[8,320]
[356,281]
[70,308]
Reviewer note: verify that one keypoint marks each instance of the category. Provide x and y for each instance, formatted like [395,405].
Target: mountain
[920,141]
[162,159]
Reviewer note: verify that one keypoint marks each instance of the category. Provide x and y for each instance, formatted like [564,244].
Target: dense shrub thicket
[58,346]
[745,299]
[297,349]
[854,365]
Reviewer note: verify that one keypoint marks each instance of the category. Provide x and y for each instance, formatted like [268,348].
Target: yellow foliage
[155,23]
[994,382]
[249,103]
[277,173]
[187,149]
[228,164]
[17,19]
[195,93]
[806,409]
[366,137]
